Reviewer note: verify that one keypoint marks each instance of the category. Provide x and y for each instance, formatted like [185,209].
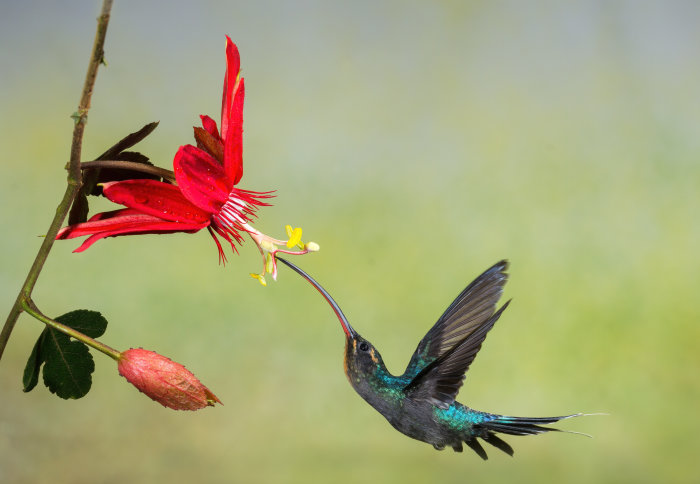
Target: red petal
[114,213]
[104,221]
[201,178]
[123,222]
[233,68]
[155,198]
[232,114]
[233,142]
[163,228]
[210,125]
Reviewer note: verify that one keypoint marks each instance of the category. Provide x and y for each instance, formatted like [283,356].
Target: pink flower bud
[161,379]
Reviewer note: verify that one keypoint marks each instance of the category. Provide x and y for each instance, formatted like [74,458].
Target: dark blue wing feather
[442,357]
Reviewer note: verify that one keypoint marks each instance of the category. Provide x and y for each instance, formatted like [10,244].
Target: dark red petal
[233,142]
[201,178]
[159,199]
[210,125]
[210,144]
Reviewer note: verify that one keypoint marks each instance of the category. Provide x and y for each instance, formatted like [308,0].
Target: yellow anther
[294,237]
[288,228]
[259,277]
[269,263]
[312,247]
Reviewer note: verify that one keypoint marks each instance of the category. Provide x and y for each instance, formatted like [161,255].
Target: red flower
[161,379]
[205,194]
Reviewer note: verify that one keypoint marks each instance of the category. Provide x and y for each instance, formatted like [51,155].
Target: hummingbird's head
[362,360]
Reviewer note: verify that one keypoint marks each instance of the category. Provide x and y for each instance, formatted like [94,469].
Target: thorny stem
[30,308]
[74,178]
[131,165]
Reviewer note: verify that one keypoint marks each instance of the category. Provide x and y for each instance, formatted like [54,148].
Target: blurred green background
[417,143]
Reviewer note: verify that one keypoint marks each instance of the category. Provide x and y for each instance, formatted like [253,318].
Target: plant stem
[74,177]
[30,308]
[131,165]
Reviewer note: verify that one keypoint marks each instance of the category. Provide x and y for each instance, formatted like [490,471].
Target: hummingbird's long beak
[349,332]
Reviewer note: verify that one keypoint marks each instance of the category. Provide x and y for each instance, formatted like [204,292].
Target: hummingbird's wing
[438,365]
[440,381]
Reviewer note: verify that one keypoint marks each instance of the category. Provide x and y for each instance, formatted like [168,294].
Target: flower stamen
[269,247]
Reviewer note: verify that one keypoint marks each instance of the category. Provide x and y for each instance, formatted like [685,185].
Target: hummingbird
[421,403]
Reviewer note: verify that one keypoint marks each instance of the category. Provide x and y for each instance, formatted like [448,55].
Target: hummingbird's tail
[512,426]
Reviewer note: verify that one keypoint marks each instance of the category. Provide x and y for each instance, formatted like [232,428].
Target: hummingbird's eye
[364,346]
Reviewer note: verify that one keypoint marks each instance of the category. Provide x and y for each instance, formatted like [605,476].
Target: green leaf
[31,371]
[68,366]
[90,323]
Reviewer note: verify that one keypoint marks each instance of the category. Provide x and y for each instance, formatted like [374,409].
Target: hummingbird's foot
[268,248]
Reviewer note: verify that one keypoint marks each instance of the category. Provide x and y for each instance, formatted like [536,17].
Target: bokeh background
[417,143]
